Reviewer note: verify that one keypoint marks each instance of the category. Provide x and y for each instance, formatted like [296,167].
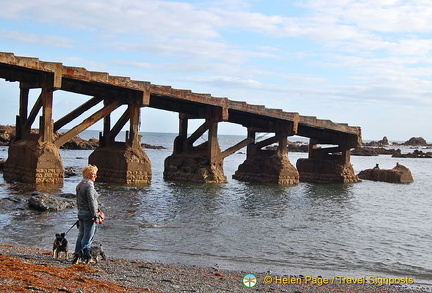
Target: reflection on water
[367,228]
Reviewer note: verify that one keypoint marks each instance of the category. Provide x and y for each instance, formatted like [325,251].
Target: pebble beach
[26,269]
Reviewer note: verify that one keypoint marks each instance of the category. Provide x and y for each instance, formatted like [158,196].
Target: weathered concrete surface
[326,171]
[194,165]
[31,161]
[267,167]
[399,174]
[126,165]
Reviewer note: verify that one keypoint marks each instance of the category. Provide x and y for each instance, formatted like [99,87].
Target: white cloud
[148,17]
[41,39]
[341,52]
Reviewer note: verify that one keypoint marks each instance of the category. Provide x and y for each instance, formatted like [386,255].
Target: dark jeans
[87,229]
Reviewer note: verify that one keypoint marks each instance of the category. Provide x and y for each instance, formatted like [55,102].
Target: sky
[366,63]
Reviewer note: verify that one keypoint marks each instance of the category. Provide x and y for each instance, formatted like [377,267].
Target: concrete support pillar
[327,165]
[122,162]
[268,166]
[33,158]
[32,161]
[202,163]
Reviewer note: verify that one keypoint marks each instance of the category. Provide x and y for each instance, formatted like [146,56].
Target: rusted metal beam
[87,123]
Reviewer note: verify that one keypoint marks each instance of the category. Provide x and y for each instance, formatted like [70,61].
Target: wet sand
[35,270]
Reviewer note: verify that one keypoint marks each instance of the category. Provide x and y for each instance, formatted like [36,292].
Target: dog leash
[76,223]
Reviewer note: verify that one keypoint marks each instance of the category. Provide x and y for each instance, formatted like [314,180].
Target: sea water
[351,230]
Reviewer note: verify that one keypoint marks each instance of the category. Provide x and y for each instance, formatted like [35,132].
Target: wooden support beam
[183,125]
[134,117]
[283,144]
[23,112]
[251,148]
[213,144]
[266,142]
[87,123]
[76,112]
[103,137]
[33,113]
[180,144]
[197,134]
[231,150]
[46,127]
[24,97]
[124,118]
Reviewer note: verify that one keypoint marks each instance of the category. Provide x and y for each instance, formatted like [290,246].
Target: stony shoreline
[35,270]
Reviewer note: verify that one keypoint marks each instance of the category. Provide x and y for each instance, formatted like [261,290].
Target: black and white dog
[60,245]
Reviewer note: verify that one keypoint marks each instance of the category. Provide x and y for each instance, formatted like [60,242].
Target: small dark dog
[96,251]
[92,257]
[60,245]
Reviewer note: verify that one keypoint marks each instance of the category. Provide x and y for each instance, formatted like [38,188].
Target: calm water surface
[363,229]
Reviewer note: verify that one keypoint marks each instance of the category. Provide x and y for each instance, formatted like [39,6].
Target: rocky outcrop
[371,151]
[414,154]
[380,143]
[7,134]
[51,203]
[77,143]
[295,147]
[399,174]
[416,141]
[153,147]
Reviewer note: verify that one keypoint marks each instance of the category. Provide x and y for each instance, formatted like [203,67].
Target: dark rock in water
[155,147]
[399,174]
[7,133]
[52,203]
[372,151]
[380,143]
[70,172]
[415,141]
[77,143]
[295,147]
[414,154]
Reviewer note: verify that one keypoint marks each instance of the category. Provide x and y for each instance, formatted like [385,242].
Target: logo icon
[250,280]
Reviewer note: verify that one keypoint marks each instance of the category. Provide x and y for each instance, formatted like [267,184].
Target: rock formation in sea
[399,174]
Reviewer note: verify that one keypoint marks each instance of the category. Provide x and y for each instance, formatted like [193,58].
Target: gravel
[35,270]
